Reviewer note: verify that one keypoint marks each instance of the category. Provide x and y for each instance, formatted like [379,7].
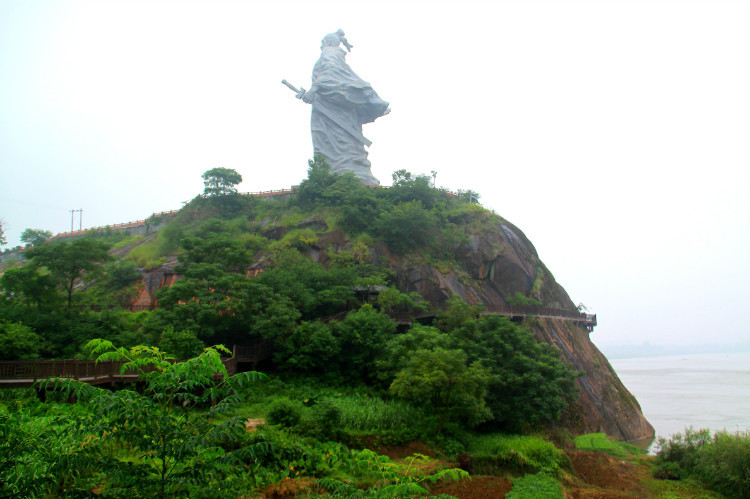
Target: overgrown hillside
[386,375]
[353,285]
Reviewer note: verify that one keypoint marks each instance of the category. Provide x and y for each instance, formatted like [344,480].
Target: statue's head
[334,39]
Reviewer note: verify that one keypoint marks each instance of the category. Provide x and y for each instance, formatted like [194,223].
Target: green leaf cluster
[171,444]
[721,461]
[524,383]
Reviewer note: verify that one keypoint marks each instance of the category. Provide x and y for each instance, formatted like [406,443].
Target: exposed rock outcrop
[498,263]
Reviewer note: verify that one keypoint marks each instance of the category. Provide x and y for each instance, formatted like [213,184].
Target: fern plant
[170,447]
[393,480]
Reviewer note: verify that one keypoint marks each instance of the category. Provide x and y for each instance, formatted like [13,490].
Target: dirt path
[601,476]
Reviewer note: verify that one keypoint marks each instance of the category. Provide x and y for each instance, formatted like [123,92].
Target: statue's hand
[308,96]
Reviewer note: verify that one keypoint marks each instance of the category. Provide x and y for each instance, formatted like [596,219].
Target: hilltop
[231,269]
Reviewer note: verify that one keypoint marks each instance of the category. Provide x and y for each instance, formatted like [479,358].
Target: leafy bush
[539,486]
[18,342]
[441,380]
[285,412]
[391,480]
[407,226]
[724,464]
[530,384]
[40,457]
[175,444]
[311,347]
[519,299]
[180,344]
[322,421]
[683,449]
[721,462]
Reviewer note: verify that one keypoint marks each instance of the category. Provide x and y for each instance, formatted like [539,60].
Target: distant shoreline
[648,351]
[677,390]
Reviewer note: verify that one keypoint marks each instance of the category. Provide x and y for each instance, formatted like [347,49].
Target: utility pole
[80,219]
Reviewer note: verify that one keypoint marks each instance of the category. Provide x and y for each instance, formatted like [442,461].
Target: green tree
[401,346]
[35,237]
[440,379]
[363,336]
[393,301]
[468,196]
[319,178]
[530,383]
[38,456]
[175,444]
[18,342]
[180,344]
[408,187]
[3,241]
[67,262]
[118,284]
[311,349]
[220,182]
[407,226]
[30,286]
[223,307]
[223,249]
[315,290]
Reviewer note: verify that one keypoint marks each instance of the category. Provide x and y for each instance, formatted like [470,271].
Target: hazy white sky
[613,133]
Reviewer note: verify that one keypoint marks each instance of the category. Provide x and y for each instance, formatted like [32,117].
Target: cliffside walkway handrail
[584,319]
[124,225]
[261,194]
[24,373]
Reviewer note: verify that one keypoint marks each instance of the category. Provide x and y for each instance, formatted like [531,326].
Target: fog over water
[704,391]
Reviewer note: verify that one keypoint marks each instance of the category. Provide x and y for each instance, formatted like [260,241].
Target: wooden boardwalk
[24,373]
[587,321]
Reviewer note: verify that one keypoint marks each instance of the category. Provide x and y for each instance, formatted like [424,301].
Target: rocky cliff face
[604,404]
[495,262]
[501,261]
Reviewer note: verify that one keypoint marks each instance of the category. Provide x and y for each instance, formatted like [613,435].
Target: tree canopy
[35,237]
[220,181]
[67,262]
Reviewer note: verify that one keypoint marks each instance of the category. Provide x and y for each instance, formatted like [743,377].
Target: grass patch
[539,486]
[126,241]
[499,452]
[146,255]
[372,414]
[599,442]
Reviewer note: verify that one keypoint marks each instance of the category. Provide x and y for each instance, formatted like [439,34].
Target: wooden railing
[534,311]
[124,225]
[253,352]
[582,319]
[24,373]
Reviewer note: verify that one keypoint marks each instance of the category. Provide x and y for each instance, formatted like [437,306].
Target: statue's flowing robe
[353,102]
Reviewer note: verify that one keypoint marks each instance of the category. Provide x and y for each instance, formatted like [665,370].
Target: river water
[705,391]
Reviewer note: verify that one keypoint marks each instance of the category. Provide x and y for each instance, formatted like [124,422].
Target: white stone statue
[341,103]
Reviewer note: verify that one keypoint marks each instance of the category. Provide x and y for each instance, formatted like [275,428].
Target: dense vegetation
[721,461]
[345,376]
